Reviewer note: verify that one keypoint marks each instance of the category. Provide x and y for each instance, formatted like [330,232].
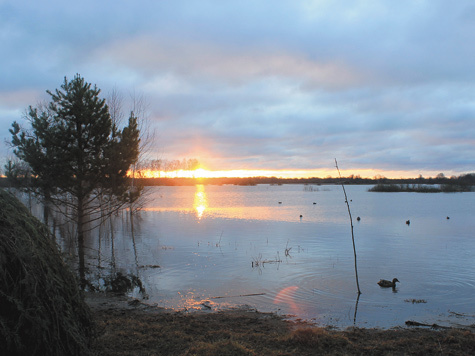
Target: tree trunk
[80,227]
[46,208]
[46,213]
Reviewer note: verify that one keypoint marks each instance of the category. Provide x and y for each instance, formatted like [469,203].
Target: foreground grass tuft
[318,339]
[220,348]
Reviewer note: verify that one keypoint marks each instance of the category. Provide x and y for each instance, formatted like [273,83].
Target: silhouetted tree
[18,174]
[138,105]
[77,154]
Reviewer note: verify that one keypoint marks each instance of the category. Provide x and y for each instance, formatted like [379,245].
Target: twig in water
[235,296]
[259,261]
[415,301]
[287,250]
[219,242]
[434,326]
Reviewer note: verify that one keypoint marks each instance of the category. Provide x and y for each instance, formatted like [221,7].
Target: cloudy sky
[386,87]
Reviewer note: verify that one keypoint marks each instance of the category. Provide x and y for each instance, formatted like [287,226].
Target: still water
[288,249]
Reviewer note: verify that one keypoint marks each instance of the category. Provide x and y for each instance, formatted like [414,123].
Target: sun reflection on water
[286,296]
[201,203]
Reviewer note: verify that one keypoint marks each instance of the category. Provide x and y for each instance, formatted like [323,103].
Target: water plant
[287,250]
[258,261]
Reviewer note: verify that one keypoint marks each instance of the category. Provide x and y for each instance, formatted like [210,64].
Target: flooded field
[288,249]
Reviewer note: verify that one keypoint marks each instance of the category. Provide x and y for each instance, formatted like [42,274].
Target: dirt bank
[126,327]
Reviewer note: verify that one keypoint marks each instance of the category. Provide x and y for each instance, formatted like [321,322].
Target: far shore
[467,180]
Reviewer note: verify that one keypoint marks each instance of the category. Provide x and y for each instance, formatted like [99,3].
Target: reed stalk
[351,223]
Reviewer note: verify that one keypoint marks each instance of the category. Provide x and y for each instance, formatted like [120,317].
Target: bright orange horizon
[301,173]
[298,173]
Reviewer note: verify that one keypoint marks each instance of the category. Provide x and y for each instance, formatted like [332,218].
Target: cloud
[279,84]
[205,62]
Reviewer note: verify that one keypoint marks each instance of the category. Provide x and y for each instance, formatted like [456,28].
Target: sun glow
[287,296]
[250,173]
[235,173]
[201,203]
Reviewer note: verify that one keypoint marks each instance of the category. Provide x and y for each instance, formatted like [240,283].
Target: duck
[386,284]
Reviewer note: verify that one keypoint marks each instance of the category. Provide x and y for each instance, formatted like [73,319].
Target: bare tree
[138,106]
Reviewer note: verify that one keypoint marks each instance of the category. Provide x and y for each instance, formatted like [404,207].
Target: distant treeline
[461,183]
[463,180]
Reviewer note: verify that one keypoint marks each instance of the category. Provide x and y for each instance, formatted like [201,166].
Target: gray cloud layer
[264,84]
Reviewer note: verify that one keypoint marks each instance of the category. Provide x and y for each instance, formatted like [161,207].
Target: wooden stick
[351,223]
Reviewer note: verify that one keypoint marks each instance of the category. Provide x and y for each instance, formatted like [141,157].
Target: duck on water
[388,284]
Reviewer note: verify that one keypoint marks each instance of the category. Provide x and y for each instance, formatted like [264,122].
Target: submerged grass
[127,331]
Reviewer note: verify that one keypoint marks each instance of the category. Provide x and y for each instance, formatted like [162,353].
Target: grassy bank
[132,329]
[42,311]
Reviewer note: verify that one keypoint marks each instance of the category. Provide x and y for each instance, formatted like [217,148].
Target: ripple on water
[454,287]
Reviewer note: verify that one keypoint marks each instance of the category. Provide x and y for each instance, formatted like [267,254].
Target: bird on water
[386,284]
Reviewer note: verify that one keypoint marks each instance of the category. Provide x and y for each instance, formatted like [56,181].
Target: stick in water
[235,296]
[351,223]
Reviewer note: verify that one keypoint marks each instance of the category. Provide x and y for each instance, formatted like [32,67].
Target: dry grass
[129,331]
[42,311]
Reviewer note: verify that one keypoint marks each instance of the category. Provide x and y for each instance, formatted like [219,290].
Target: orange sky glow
[248,173]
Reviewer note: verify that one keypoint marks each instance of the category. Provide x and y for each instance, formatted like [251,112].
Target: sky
[385,87]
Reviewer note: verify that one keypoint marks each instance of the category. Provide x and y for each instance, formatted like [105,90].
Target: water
[226,246]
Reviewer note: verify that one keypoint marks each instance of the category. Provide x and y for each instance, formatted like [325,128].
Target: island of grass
[420,188]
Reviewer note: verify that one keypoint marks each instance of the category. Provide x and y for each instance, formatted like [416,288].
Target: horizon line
[287,174]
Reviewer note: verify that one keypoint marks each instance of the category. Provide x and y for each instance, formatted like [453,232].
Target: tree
[138,105]
[76,153]
[18,174]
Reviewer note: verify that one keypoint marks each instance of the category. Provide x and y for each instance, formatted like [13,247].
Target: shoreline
[125,326]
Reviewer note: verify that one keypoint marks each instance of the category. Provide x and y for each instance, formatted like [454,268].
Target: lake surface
[288,249]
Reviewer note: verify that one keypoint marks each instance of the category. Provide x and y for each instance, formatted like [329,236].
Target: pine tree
[75,150]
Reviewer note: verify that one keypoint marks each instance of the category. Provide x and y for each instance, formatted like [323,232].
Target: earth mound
[42,310]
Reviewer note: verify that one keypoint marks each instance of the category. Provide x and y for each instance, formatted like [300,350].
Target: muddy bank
[127,327]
